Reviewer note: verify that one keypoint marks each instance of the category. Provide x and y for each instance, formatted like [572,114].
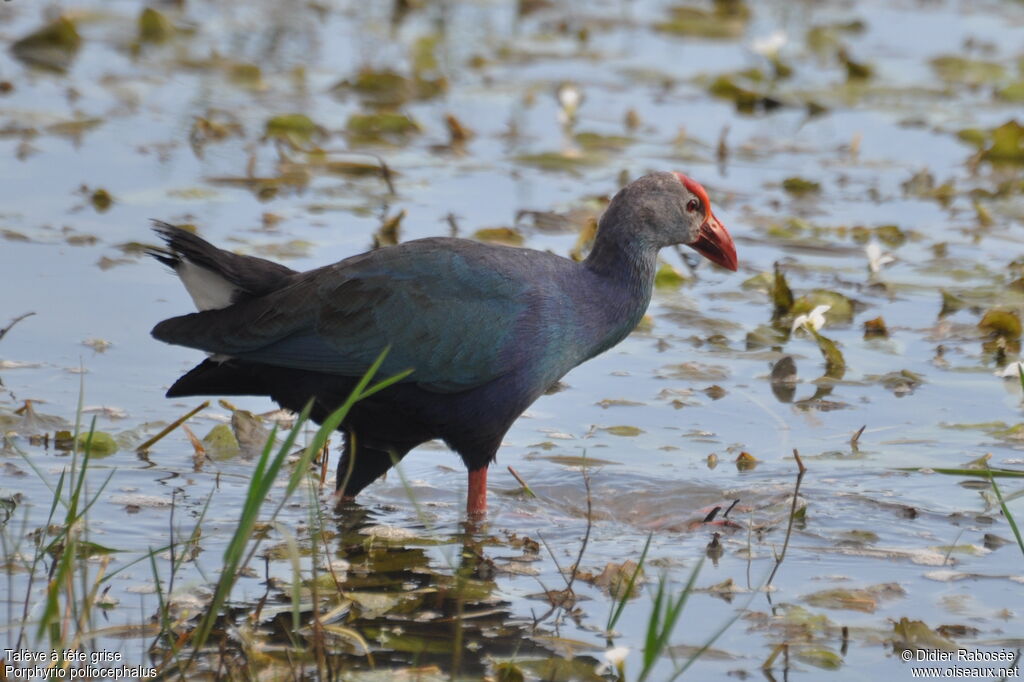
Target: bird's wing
[446,312]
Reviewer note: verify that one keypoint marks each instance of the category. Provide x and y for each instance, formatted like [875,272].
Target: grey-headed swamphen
[486,329]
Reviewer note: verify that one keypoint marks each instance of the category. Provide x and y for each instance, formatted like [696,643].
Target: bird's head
[705,234]
[666,209]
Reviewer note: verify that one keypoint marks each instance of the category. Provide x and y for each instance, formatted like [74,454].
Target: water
[502,70]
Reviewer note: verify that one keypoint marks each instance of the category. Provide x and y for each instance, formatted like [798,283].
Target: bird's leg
[476,498]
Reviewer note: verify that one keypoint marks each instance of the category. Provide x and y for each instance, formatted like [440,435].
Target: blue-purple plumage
[486,329]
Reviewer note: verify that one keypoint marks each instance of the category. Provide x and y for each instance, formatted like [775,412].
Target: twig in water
[526,488]
[792,515]
[170,427]
[856,437]
[586,535]
[15,321]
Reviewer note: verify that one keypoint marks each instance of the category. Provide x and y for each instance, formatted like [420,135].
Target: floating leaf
[725,20]
[387,235]
[220,443]
[101,200]
[855,71]
[53,46]
[1007,144]
[875,328]
[835,365]
[500,235]
[380,126]
[800,187]
[840,308]
[818,656]
[745,99]
[900,383]
[1001,323]
[865,600]
[957,69]
[1014,92]
[782,296]
[154,27]
[745,461]
[914,634]
[566,161]
[97,443]
[598,142]
[951,303]
[668,277]
[295,128]
[762,281]
[626,431]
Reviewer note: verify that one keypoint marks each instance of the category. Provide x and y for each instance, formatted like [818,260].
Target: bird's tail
[216,278]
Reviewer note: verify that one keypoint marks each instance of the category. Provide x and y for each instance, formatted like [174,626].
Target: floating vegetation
[53,46]
[875,193]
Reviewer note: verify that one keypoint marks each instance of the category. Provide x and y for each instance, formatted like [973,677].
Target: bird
[486,329]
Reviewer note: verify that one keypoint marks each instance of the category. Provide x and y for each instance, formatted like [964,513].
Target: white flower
[1011,371]
[569,99]
[769,45]
[613,659]
[876,259]
[813,320]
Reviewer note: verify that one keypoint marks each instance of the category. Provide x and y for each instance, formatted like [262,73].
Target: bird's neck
[624,266]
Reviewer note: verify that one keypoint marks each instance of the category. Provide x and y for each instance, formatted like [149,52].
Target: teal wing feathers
[445,313]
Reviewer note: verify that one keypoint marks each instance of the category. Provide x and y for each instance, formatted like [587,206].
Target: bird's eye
[692,205]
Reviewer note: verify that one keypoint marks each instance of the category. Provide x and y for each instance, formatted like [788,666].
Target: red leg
[476,499]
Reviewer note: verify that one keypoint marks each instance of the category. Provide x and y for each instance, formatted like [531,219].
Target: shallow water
[60,258]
